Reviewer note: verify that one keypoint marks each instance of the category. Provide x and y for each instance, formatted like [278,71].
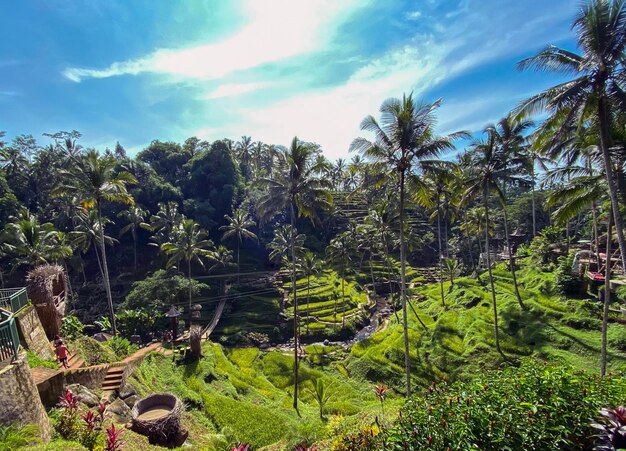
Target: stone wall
[51,388]
[19,398]
[32,335]
[90,377]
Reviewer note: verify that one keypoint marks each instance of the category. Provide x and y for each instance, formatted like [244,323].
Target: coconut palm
[189,245]
[93,180]
[598,71]
[164,223]
[483,175]
[86,234]
[295,187]
[338,253]
[404,144]
[32,242]
[135,216]
[238,227]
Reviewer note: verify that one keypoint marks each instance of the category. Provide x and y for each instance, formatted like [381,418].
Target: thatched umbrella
[47,289]
[158,417]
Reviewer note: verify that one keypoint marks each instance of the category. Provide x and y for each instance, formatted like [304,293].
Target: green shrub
[71,327]
[566,282]
[534,407]
[121,347]
[34,361]
[92,352]
[15,436]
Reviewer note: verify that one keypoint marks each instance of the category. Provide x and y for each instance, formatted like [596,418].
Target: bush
[533,407]
[16,436]
[34,361]
[71,327]
[121,347]
[141,322]
[92,352]
[566,282]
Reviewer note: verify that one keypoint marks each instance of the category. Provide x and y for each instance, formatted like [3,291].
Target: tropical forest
[433,288]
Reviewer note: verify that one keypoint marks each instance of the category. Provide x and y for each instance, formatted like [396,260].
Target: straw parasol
[158,417]
[47,289]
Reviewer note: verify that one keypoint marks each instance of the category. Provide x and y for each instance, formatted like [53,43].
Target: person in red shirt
[62,353]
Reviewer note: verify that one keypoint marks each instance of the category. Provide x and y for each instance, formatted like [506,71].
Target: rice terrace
[313,225]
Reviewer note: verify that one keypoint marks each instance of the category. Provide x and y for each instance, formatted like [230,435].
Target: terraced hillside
[324,311]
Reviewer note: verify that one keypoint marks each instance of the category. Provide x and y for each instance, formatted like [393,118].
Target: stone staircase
[113,378]
[75,361]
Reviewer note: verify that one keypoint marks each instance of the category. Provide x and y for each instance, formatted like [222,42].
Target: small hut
[47,289]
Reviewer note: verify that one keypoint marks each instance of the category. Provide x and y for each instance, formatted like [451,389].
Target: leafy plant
[611,426]
[71,327]
[15,436]
[90,436]
[322,394]
[112,441]
[380,391]
[242,447]
[104,323]
[566,282]
[34,361]
[68,425]
[121,347]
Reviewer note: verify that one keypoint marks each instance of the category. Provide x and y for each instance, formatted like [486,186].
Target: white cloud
[413,15]
[275,30]
[235,89]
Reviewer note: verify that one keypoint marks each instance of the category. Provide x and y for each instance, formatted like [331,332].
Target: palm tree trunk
[594,214]
[439,257]
[496,333]
[105,269]
[238,267]
[511,258]
[608,170]
[607,295]
[405,324]
[134,234]
[308,298]
[295,307]
[532,190]
[189,280]
[343,291]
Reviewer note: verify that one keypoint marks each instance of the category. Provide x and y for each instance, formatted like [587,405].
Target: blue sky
[133,71]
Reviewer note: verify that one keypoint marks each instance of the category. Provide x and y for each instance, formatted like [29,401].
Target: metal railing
[9,339]
[13,299]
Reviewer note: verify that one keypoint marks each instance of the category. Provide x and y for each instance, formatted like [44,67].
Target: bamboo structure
[47,289]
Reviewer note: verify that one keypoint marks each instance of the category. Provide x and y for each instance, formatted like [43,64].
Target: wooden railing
[13,299]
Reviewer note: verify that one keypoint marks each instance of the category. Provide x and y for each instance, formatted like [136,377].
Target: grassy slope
[234,394]
[459,341]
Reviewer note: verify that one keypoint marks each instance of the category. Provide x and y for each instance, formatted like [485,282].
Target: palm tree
[238,226]
[87,233]
[295,187]
[338,252]
[436,184]
[600,28]
[404,143]
[135,216]
[189,245]
[310,267]
[244,149]
[93,179]
[483,174]
[31,242]
[164,223]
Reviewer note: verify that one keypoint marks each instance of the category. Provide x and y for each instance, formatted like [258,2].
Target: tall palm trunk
[607,295]
[511,258]
[610,178]
[532,190]
[496,333]
[405,324]
[295,307]
[594,214]
[134,232]
[189,280]
[439,257]
[105,272]
[343,290]
[308,298]
[238,266]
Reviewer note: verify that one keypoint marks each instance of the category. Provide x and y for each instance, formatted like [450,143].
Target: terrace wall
[32,335]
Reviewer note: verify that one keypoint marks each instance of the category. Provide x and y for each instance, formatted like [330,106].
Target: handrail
[9,338]
[13,299]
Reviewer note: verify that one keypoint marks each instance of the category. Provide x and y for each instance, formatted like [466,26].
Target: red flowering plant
[112,439]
